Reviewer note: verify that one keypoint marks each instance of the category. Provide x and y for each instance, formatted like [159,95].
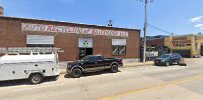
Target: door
[82,53]
[7,72]
[175,58]
[183,53]
[85,52]
[93,64]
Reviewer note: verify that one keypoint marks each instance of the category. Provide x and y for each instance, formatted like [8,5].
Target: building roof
[82,24]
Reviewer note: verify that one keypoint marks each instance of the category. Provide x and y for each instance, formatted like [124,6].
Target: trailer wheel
[114,68]
[36,78]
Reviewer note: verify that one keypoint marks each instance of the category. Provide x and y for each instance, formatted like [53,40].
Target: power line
[157,28]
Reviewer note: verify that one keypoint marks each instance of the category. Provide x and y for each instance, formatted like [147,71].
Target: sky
[174,16]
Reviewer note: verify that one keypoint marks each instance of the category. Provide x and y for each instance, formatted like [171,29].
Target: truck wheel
[76,73]
[167,64]
[178,63]
[36,78]
[114,68]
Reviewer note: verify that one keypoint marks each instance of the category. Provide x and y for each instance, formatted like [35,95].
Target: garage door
[183,53]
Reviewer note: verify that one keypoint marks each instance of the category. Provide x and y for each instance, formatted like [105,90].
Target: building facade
[77,40]
[187,46]
[155,47]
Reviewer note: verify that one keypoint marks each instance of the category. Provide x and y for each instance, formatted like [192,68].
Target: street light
[145,27]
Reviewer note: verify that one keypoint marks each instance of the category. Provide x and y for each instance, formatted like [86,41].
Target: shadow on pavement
[23,82]
[91,74]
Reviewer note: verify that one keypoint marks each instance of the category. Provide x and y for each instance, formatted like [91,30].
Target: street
[131,83]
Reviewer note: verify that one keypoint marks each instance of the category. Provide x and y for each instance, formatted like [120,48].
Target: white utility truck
[29,63]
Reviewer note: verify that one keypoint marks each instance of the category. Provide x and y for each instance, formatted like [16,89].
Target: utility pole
[145,28]
[171,42]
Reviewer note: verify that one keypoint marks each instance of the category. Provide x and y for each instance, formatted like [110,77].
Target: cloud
[201,28]
[198,25]
[65,1]
[196,19]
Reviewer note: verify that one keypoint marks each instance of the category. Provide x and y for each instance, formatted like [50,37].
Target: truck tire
[36,78]
[76,72]
[167,63]
[114,68]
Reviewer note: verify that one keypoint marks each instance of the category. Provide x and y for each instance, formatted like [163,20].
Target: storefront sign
[181,41]
[85,43]
[118,41]
[67,29]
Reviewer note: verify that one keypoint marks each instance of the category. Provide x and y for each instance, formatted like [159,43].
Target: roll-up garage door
[40,39]
[183,53]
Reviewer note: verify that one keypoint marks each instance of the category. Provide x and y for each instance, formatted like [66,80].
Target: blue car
[168,59]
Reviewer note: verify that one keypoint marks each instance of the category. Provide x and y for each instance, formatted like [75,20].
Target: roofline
[68,23]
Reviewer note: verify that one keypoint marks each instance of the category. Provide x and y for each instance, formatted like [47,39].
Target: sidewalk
[138,64]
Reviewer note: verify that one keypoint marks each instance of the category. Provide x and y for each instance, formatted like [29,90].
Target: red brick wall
[12,36]
[154,42]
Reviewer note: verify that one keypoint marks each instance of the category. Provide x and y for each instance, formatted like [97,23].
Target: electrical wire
[157,28]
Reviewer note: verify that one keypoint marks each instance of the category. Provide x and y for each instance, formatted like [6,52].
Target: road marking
[176,82]
[37,87]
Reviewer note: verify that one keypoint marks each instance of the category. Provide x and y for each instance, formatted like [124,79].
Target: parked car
[33,66]
[93,63]
[168,59]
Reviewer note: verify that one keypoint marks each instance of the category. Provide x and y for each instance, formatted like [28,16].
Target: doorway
[84,52]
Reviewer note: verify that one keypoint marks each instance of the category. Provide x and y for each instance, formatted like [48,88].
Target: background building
[77,40]
[155,47]
[187,46]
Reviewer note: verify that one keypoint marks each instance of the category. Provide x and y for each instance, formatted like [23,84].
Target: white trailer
[32,66]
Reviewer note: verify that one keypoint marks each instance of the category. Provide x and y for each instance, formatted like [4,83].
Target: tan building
[187,46]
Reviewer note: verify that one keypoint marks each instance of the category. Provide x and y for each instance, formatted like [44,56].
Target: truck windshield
[165,56]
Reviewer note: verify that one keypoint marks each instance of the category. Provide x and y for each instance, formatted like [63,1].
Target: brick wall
[12,36]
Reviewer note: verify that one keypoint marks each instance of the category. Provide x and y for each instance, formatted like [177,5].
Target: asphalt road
[134,83]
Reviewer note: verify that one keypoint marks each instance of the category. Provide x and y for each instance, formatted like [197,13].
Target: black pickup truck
[93,63]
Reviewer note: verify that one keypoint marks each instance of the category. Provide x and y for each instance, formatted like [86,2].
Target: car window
[91,58]
[173,56]
[99,58]
[176,56]
[165,56]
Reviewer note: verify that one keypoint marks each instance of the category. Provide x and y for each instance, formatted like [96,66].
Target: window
[40,45]
[99,58]
[122,50]
[119,46]
[91,58]
[40,41]
[118,50]
[115,50]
